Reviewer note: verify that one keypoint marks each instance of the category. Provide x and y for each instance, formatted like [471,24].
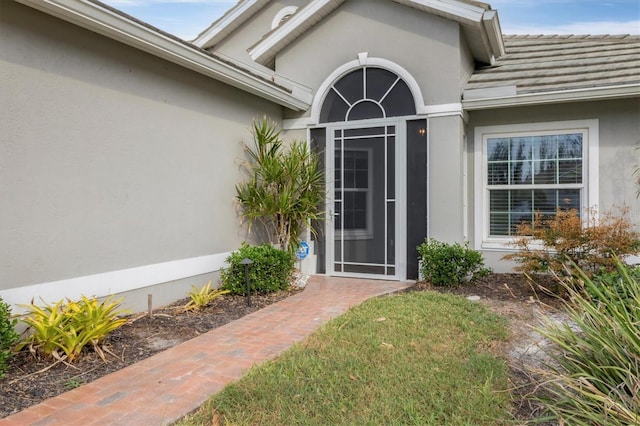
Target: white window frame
[590,192]
[361,233]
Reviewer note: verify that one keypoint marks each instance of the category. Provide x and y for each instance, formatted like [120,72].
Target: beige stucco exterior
[110,159]
[118,165]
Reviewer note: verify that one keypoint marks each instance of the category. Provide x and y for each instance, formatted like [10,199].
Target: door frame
[400,198]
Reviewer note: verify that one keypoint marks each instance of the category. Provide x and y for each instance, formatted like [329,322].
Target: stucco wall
[110,159]
[425,45]
[618,152]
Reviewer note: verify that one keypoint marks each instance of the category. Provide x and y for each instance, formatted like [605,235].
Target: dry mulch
[25,384]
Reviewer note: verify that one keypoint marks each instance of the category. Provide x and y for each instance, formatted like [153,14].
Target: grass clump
[595,379]
[419,358]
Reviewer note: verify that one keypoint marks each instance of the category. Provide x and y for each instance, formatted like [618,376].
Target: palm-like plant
[285,186]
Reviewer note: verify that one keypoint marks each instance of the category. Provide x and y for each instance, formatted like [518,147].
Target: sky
[187,18]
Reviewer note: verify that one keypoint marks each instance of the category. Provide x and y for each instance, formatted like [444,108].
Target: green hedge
[271,270]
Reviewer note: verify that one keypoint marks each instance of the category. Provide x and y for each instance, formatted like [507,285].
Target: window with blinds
[526,175]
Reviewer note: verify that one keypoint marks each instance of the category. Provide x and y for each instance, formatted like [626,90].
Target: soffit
[540,63]
[480,26]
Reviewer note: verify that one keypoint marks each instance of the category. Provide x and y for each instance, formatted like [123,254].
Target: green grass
[419,358]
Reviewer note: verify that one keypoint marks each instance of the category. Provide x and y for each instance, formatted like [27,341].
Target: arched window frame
[364,61]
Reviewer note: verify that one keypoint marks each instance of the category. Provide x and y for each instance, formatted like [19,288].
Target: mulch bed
[25,383]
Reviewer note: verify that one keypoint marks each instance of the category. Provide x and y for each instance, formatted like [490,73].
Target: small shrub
[450,264]
[271,270]
[204,296]
[563,239]
[63,330]
[595,379]
[8,335]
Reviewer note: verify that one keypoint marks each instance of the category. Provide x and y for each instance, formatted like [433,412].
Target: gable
[479,23]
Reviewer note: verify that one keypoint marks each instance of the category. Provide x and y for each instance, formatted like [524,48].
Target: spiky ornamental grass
[595,379]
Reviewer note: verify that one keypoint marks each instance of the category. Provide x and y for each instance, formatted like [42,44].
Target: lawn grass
[420,358]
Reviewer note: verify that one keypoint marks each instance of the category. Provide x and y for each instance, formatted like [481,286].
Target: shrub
[204,296]
[63,330]
[450,264]
[595,377]
[8,335]
[616,282]
[564,238]
[271,270]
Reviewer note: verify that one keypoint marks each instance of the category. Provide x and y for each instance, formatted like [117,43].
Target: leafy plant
[202,297]
[271,270]
[8,335]
[285,186]
[595,379]
[63,330]
[548,244]
[445,264]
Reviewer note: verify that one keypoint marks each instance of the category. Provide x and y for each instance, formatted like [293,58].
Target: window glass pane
[365,110]
[545,147]
[545,172]
[570,146]
[351,86]
[379,81]
[520,173]
[521,149]
[570,171]
[399,101]
[499,224]
[498,150]
[334,108]
[498,173]
[391,159]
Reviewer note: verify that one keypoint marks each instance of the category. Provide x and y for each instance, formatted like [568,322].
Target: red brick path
[163,388]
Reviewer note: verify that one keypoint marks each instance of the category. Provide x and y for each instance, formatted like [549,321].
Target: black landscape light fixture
[247,262]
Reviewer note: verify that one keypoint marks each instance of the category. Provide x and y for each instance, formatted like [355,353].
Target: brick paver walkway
[161,389]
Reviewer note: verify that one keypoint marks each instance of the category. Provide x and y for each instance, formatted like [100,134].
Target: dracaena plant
[284,189]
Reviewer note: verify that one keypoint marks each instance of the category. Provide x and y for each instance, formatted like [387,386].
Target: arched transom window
[367,93]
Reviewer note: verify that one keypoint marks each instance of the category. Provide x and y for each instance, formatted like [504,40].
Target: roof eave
[559,96]
[230,21]
[478,16]
[94,17]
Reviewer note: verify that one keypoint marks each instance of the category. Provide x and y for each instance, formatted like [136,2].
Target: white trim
[590,128]
[105,284]
[400,196]
[235,17]
[361,62]
[284,12]
[425,111]
[570,95]
[263,51]
[106,22]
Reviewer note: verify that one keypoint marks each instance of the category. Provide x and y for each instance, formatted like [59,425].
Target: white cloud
[593,28]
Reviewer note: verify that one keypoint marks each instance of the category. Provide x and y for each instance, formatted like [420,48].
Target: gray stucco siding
[110,158]
[426,46]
